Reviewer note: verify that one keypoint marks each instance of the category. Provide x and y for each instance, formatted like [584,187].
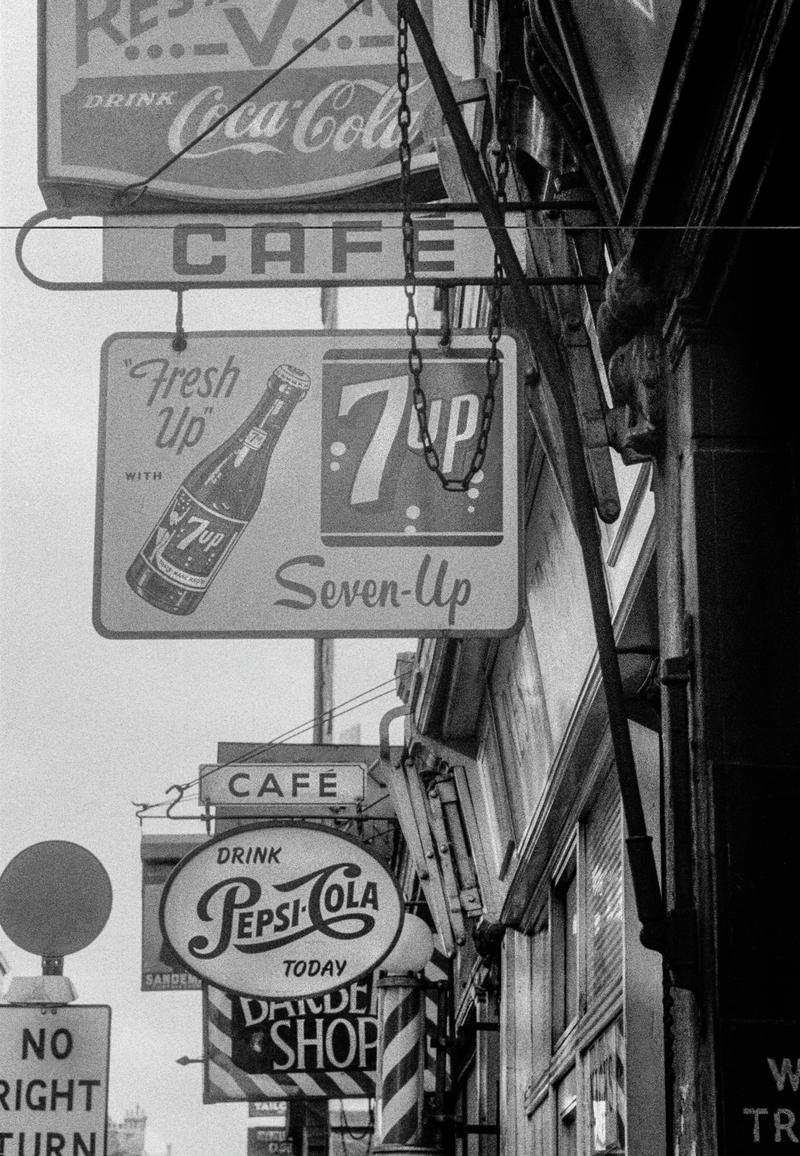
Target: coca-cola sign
[281,910]
[129,85]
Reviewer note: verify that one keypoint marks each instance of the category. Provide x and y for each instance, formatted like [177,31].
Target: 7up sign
[351,534]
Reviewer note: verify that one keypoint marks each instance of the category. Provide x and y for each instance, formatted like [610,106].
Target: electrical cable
[301,728]
[142,185]
[340,709]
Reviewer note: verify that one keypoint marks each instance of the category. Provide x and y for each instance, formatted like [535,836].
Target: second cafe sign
[274,485]
[281,911]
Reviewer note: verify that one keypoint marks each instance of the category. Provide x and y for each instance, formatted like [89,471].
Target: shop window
[494,794]
[522,723]
[540,1001]
[540,1131]
[471,1145]
[476,1084]
[565,951]
[591,984]
[350,1127]
[603,894]
[567,1110]
[604,1068]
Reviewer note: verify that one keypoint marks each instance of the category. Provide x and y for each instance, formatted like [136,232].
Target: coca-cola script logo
[245,913]
[328,133]
[347,113]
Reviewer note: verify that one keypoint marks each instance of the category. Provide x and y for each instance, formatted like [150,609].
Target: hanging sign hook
[179,342]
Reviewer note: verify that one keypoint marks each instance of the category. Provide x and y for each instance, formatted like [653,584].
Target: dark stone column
[729,480]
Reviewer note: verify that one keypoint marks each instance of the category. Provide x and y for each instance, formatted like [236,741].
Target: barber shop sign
[281,910]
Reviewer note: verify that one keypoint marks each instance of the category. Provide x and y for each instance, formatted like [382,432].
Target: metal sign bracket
[241,219]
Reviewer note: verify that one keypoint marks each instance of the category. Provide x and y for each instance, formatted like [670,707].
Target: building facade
[126,1137]
[657,136]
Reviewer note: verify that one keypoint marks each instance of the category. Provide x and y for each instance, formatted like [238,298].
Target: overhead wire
[345,707]
[143,184]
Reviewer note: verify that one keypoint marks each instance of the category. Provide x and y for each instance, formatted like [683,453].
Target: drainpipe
[384,745]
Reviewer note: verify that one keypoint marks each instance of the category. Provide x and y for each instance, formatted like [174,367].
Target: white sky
[90,724]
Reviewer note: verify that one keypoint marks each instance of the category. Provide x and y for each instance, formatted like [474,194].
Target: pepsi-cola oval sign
[281,910]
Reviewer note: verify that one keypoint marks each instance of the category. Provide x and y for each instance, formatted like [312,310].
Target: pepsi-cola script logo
[330,901]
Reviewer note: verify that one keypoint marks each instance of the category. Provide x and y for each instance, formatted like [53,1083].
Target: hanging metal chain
[419,398]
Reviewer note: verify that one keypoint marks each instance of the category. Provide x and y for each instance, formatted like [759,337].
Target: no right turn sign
[53,1080]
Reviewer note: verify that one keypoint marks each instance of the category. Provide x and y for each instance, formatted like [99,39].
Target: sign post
[54,1079]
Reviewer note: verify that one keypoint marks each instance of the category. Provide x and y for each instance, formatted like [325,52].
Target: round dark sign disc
[55,898]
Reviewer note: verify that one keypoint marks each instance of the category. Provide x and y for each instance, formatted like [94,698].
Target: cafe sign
[284,787]
[299,249]
[281,910]
[129,84]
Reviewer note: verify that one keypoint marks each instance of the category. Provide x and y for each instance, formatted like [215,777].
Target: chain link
[419,399]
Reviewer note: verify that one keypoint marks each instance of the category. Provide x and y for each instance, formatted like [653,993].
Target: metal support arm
[570,468]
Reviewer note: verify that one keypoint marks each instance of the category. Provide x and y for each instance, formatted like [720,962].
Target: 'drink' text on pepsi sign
[275,485]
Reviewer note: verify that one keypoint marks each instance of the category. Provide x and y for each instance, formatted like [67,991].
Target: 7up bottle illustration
[214,505]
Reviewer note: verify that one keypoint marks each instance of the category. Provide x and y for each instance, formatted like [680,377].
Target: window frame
[565,1013]
[571,1039]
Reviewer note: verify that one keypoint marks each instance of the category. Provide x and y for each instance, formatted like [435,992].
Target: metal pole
[323,690]
[649,902]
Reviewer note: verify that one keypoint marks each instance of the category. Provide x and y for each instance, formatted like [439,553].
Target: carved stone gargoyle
[633,350]
[488,937]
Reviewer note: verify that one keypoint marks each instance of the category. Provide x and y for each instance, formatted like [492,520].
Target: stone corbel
[534,131]
[633,350]
[488,937]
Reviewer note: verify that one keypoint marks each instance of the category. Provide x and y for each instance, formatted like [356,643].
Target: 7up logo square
[376,488]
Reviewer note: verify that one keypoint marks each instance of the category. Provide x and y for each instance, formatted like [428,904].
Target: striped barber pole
[225,1081]
[402,1060]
